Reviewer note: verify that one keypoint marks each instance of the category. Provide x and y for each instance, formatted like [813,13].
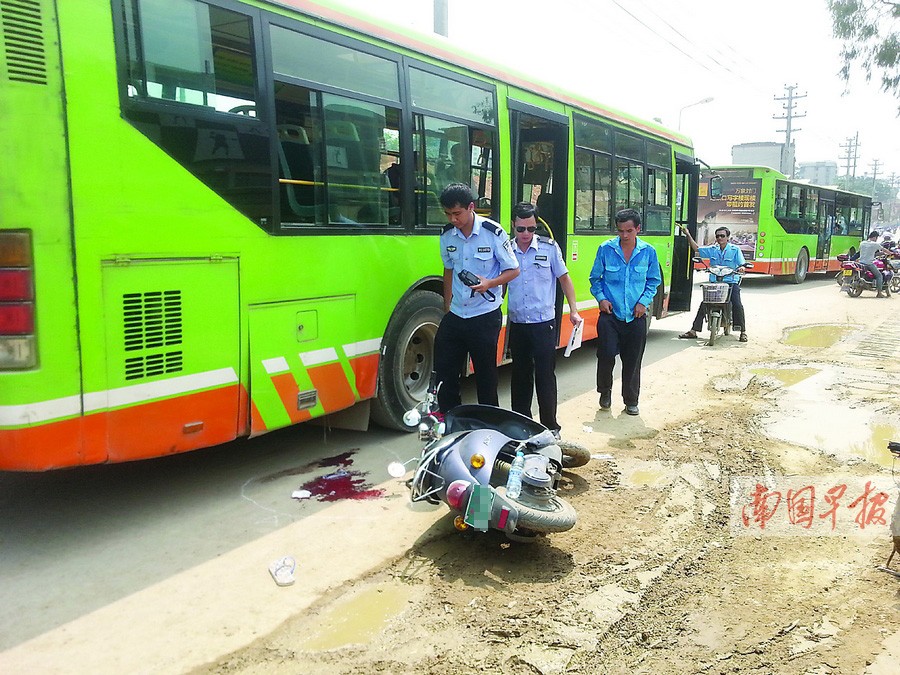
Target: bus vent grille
[23,41]
[152,319]
[153,364]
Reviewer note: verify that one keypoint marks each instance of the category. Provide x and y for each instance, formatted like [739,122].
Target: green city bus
[786,227]
[220,218]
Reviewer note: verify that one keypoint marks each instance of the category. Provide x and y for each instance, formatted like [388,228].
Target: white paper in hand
[575,340]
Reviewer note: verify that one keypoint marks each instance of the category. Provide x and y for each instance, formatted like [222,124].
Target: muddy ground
[659,576]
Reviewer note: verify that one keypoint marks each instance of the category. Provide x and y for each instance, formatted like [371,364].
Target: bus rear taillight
[18,348]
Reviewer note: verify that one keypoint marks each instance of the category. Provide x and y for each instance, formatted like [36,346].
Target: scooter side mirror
[411,418]
[748,265]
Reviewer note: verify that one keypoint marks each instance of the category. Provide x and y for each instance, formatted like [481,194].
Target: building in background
[773,155]
[818,173]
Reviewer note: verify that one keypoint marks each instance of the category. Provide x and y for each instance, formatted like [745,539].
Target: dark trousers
[737,311]
[533,348]
[456,338]
[627,339]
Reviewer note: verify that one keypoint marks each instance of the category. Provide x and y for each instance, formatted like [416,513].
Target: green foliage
[863,185]
[870,32]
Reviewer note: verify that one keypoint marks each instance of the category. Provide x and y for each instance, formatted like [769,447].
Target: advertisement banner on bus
[737,209]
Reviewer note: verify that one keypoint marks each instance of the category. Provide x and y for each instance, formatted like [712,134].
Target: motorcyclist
[721,253]
[868,249]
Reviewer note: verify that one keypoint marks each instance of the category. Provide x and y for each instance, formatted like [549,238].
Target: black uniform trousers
[627,339]
[737,312]
[456,338]
[533,349]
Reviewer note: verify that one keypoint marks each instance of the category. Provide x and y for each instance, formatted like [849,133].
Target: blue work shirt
[731,257]
[487,253]
[625,284]
[532,294]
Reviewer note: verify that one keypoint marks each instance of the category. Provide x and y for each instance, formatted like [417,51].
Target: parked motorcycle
[858,278]
[466,464]
[717,298]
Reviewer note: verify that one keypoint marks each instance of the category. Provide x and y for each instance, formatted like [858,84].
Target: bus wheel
[407,358]
[801,268]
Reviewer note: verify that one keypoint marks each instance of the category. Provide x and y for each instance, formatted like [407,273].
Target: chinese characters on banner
[815,505]
[737,209]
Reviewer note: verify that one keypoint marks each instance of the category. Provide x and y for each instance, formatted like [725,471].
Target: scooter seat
[509,423]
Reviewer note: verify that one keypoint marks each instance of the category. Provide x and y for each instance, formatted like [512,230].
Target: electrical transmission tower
[787,156]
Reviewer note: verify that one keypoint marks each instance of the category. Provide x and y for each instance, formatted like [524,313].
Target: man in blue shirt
[721,253]
[471,324]
[624,280]
[532,317]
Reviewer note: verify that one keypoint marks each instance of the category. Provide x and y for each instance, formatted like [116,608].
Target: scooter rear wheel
[855,290]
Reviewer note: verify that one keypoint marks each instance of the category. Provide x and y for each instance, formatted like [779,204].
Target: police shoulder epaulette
[493,227]
[447,228]
[544,240]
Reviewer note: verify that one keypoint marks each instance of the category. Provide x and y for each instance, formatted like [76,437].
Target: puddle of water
[787,376]
[358,620]
[822,336]
[874,449]
[648,477]
[810,416]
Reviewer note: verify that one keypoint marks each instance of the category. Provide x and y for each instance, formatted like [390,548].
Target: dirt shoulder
[654,578]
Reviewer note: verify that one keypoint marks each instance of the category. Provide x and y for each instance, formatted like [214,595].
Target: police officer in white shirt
[473,244]
[532,317]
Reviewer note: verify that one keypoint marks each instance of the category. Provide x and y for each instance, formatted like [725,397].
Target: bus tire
[801,268]
[407,358]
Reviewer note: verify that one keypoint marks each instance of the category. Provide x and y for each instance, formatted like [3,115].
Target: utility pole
[788,116]
[874,165]
[441,14]
[852,148]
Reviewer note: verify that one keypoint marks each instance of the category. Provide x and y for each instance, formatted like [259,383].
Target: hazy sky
[652,58]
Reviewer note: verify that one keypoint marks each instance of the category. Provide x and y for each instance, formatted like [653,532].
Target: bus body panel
[34,186]
[168,320]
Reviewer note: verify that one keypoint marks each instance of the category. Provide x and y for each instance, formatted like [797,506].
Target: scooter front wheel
[714,320]
[558,516]
[574,454]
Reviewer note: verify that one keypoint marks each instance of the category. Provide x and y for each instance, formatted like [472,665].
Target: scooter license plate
[478,511]
[848,273]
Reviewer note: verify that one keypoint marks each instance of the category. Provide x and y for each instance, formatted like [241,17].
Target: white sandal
[282,570]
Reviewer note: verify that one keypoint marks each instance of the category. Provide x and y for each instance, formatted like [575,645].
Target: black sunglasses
[721,236]
[522,228]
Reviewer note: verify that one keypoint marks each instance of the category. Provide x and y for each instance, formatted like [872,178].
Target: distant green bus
[786,227]
[221,218]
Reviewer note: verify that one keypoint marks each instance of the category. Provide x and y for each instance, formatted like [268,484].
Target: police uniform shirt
[487,252]
[532,294]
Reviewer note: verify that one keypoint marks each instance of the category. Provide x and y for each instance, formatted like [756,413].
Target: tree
[870,33]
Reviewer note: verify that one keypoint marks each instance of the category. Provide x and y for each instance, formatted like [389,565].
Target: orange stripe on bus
[139,432]
[174,425]
[287,389]
[365,370]
[335,392]
[257,425]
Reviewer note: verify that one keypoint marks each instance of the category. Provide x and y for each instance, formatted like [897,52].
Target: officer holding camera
[476,250]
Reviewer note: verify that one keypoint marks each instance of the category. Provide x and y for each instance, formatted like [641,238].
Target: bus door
[825,227]
[687,185]
[540,144]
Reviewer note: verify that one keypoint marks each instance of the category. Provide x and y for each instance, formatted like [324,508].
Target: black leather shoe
[605,400]
[632,410]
